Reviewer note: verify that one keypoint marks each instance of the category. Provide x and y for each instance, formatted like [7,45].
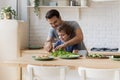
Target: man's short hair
[51,13]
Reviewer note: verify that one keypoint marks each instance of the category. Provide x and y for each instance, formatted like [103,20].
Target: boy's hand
[62,47]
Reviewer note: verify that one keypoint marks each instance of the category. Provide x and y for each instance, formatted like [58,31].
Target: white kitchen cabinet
[9,72]
[13,38]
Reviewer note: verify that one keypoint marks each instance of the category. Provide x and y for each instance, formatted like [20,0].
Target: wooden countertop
[94,63]
[33,51]
[73,63]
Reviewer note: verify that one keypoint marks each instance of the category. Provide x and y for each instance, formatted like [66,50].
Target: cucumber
[116,56]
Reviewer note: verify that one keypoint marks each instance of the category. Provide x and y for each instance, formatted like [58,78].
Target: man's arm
[77,39]
[48,44]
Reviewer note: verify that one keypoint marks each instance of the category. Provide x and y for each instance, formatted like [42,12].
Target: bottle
[72,3]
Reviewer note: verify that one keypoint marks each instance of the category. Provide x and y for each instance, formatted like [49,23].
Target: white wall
[4,3]
[101,24]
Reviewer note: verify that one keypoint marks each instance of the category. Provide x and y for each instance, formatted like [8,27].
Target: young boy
[65,33]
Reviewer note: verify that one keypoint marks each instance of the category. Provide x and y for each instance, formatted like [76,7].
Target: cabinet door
[14,37]
[9,73]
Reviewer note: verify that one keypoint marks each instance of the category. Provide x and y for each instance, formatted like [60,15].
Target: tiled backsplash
[100,24]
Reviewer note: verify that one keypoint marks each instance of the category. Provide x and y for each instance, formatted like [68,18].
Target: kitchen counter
[34,51]
[29,52]
[73,63]
[42,51]
[26,59]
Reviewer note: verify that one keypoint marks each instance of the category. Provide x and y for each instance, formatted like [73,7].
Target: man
[54,19]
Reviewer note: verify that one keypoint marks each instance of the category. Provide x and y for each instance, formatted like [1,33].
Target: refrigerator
[13,38]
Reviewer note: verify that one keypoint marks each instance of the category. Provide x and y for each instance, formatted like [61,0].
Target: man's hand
[48,46]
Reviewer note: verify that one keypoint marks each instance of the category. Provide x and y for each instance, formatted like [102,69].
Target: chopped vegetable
[116,56]
[61,53]
[96,55]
